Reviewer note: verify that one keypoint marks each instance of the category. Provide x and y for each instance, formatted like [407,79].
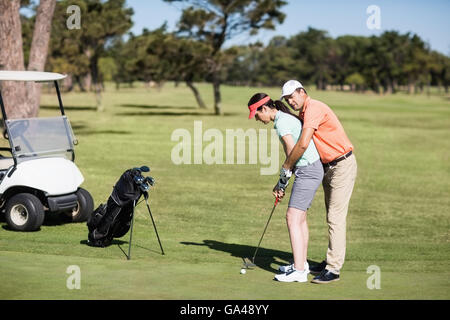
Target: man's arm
[299,148]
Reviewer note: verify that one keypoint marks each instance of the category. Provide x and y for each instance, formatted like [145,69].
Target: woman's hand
[278,194]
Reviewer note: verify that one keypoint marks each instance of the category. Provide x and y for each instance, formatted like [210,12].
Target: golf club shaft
[154,226]
[262,236]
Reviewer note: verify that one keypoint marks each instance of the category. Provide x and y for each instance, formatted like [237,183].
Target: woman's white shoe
[289,267]
[292,276]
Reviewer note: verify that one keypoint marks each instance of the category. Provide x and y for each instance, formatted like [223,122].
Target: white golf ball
[243,271]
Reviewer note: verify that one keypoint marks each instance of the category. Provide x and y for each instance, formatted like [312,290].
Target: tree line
[103,49]
[384,64]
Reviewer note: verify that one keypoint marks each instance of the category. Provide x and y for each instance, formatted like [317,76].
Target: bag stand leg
[154,225]
[131,232]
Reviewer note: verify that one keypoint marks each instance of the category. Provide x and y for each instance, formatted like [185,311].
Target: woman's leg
[298,233]
[305,233]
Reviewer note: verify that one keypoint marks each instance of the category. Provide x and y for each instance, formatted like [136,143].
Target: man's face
[296,99]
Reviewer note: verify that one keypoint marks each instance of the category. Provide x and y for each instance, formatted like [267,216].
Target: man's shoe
[316,269]
[325,277]
[289,267]
[293,275]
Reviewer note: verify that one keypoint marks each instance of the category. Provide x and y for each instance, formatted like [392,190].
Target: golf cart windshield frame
[61,107]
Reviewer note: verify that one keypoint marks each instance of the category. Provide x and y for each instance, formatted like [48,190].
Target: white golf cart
[37,172]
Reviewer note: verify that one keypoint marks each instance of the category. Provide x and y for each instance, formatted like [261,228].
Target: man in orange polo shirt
[336,153]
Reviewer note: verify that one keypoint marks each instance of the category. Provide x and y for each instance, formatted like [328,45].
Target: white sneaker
[293,275]
[289,267]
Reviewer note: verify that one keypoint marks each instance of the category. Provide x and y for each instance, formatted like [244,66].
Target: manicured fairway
[210,216]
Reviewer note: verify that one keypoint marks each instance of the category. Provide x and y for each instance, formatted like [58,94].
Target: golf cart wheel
[24,212]
[84,208]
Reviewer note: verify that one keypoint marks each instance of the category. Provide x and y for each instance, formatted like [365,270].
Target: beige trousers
[338,185]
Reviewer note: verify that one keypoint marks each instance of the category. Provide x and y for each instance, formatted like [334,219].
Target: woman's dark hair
[277,104]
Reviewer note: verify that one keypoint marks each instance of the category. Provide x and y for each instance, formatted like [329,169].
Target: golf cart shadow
[267,259]
[54,219]
[51,219]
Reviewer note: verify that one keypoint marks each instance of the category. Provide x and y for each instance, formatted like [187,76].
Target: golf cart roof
[30,76]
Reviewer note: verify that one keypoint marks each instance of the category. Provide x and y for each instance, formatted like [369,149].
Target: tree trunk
[411,85]
[22,100]
[68,83]
[11,56]
[39,51]
[79,81]
[217,96]
[394,85]
[198,98]
[86,82]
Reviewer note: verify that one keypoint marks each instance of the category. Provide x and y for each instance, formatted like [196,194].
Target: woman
[308,176]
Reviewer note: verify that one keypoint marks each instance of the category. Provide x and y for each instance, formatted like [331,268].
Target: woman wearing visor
[308,177]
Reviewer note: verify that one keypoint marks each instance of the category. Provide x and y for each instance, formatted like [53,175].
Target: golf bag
[113,219]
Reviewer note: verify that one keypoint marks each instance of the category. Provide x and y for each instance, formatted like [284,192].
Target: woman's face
[262,114]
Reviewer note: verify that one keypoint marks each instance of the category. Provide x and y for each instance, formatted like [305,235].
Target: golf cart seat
[5,163]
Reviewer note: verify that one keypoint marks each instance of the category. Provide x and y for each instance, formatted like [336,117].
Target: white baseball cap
[289,87]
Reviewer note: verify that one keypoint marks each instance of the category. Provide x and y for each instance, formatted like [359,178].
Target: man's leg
[338,187]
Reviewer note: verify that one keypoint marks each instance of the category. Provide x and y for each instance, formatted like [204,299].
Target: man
[336,153]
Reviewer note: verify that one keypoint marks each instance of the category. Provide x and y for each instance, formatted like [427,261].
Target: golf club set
[115,218]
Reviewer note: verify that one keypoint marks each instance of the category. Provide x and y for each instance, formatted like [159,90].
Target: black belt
[334,162]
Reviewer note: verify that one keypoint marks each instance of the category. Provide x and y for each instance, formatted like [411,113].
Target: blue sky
[429,19]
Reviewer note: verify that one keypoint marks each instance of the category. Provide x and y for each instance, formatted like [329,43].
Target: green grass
[209,216]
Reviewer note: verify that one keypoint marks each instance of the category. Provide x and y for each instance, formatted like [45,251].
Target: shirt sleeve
[285,125]
[314,115]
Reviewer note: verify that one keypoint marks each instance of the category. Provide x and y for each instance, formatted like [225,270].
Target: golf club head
[142,169]
[248,264]
[150,181]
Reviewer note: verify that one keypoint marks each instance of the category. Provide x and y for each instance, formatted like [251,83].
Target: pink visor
[256,105]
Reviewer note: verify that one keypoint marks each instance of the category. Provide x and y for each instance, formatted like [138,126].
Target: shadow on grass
[264,258]
[121,243]
[176,114]
[71,108]
[92,132]
[145,106]
[114,242]
[81,129]
[51,219]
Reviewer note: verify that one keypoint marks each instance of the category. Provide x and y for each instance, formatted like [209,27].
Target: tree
[186,59]
[356,81]
[351,51]
[415,65]
[79,50]
[312,51]
[22,99]
[246,68]
[215,21]
[277,63]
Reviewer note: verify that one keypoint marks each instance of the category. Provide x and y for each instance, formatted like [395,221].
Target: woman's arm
[288,144]
[299,148]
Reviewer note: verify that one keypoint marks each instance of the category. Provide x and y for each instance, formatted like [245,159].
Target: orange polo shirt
[329,135]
